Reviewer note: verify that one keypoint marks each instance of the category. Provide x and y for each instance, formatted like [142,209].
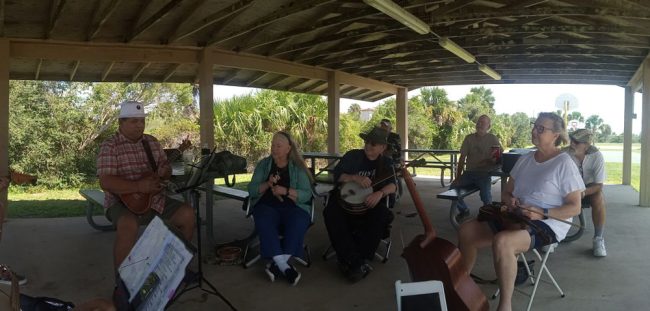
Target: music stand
[198,177]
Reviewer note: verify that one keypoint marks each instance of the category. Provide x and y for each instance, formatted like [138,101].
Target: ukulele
[432,258]
[139,202]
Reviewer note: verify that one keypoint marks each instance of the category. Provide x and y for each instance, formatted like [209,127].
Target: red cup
[496,154]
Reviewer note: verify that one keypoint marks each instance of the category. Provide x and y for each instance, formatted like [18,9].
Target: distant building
[366,114]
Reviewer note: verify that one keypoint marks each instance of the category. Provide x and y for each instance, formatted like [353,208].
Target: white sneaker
[599,247]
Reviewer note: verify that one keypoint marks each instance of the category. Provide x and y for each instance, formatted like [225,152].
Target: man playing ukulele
[127,169]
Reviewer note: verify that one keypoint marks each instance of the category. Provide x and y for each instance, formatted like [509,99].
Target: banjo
[353,196]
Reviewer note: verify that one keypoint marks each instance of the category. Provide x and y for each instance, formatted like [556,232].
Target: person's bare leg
[598,211]
[125,237]
[184,220]
[472,235]
[506,246]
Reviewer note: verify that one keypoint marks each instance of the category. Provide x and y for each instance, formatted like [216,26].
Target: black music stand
[199,177]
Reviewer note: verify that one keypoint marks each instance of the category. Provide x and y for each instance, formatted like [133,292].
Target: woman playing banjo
[357,215]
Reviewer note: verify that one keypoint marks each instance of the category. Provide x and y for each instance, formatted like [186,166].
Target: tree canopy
[56,127]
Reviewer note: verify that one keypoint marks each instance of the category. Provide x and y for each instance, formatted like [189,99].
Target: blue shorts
[539,234]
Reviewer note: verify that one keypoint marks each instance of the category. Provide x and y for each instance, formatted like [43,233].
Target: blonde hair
[558,126]
[295,155]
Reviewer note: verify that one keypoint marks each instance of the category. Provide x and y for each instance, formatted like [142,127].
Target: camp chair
[535,278]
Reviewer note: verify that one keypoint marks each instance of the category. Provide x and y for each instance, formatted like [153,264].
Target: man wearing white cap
[133,163]
[591,165]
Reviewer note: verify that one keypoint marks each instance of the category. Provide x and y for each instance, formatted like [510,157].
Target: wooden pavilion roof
[525,41]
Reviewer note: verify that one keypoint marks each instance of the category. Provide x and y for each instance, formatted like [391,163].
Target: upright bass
[432,258]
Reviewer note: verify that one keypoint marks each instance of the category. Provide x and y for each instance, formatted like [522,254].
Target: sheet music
[159,254]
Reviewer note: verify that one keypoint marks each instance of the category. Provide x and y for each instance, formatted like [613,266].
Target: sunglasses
[540,128]
[575,142]
[367,142]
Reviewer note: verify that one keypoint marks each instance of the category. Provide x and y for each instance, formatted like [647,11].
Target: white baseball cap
[131,109]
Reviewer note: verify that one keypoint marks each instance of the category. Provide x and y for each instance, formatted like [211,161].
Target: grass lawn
[36,202]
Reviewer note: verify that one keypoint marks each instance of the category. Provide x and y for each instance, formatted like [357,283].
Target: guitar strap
[147,149]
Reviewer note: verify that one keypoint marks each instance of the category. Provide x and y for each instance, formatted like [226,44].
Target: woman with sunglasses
[280,193]
[356,236]
[591,165]
[544,186]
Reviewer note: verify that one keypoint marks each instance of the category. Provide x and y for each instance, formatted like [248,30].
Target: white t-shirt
[546,184]
[593,167]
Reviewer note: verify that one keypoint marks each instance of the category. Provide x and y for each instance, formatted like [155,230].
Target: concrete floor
[67,259]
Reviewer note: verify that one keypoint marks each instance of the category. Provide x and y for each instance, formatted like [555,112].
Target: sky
[604,100]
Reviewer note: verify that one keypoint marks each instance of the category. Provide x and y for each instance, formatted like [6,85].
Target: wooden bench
[95,199]
[455,194]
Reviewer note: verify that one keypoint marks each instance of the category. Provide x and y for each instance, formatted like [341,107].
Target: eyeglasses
[575,142]
[540,128]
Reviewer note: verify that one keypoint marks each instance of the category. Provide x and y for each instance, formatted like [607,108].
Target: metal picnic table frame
[437,162]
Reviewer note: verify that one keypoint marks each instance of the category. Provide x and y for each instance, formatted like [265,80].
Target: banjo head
[353,197]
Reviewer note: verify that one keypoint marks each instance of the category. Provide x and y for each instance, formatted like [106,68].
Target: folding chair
[535,278]
[420,296]
[254,243]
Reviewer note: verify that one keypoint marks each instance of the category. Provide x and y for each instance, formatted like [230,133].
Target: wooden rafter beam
[282,12]
[445,19]
[355,47]
[55,12]
[38,69]
[160,14]
[142,8]
[56,7]
[230,76]
[107,71]
[255,79]
[335,36]
[325,24]
[170,72]
[139,71]
[73,72]
[314,85]
[451,7]
[227,12]
[105,14]
[273,83]
[297,83]
[85,52]
[2,18]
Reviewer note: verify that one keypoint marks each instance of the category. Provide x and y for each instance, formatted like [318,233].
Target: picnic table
[437,161]
[333,159]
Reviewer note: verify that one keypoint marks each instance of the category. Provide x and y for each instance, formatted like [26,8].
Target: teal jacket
[299,180]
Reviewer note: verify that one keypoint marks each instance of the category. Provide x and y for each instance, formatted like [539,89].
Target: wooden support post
[627,135]
[333,110]
[401,114]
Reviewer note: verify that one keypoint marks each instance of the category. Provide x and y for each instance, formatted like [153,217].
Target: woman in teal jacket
[280,193]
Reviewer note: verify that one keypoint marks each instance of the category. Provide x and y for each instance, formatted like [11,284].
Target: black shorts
[536,232]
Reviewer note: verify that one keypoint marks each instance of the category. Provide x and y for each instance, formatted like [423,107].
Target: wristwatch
[545,213]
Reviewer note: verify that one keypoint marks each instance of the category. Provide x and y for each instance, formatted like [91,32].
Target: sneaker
[355,274]
[292,275]
[462,216]
[599,247]
[5,276]
[273,271]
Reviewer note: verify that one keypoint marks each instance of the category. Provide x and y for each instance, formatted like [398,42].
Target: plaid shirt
[120,157]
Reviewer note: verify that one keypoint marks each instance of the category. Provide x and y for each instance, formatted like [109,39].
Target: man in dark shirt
[355,232]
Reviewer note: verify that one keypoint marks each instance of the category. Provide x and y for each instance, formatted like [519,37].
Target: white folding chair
[536,277]
[426,288]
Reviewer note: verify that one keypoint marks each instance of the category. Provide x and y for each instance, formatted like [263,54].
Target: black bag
[522,274]
[29,303]
[225,163]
